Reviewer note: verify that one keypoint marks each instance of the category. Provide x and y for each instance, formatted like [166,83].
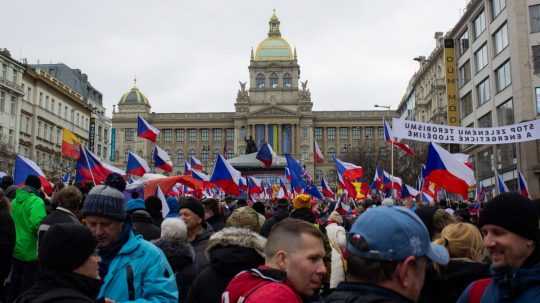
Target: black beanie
[105,201]
[33,181]
[512,212]
[116,181]
[195,206]
[65,247]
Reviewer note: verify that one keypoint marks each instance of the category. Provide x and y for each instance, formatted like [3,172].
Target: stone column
[279,140]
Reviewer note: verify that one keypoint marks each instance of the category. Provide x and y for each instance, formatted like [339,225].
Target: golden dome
[274,48]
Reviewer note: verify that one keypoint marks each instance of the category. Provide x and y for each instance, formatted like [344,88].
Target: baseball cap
[392,234]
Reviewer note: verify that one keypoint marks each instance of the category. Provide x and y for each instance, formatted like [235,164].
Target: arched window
[287,80]
[260,81]
[273,80]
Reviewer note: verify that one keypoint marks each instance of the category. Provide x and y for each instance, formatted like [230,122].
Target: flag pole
[88,165]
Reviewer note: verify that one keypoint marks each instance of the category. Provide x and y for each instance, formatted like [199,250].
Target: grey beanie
[105,201]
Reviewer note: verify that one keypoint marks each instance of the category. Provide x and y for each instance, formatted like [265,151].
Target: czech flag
[254,185]
[464,158]
[242,184]
[501,186]
[90,168]
[427,198]
[196,164]
[164,205]
[70,144]
[226,176]
[347,186]
[326,190]
[296,173]
[389,138]
[25,167]
[284,187]
[392,182]
[444,169]
[349,171]
[200,176]
[313,191]
[408,191]
[317,153]
[522,185]
[145,130]
[162,159]
[187,168]
[136,165]
[265,155]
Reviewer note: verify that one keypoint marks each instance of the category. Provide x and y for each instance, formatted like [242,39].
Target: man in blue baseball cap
[386,253]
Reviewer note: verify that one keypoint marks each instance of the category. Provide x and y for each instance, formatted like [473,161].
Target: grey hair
[174,229]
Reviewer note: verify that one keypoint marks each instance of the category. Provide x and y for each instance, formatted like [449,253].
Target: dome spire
[274,26]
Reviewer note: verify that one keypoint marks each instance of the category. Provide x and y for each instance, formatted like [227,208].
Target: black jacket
[451,280]
[144,225]
[364,293]
[199,244]
[181,257]
[276,218]
[59,215]
[217,222]
[7,244]
[61,287]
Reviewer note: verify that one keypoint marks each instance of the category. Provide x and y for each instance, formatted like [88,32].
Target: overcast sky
[188,56]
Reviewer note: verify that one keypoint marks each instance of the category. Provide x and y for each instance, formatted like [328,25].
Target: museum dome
[134,97]
[274,48]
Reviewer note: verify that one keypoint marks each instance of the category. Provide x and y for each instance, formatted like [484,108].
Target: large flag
[70,144]
[408,191]
[265,155]
[90,168]
[464,158]
[445,170]
[348,171]
[196,164]
[25,167]
[317,153]
[522,186]
[226,176]
[295,173]
[390,138]
[313,191]
[136,165]
[501,186]
[145,130]
[162,159]
[326,189]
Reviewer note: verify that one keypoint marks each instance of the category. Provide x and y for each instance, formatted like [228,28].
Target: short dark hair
[370,271]
[135,194]
[285,234]
[211,204]
[69,197]
[33,181]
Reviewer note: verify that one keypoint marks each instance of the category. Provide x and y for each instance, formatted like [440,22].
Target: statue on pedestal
[251,147]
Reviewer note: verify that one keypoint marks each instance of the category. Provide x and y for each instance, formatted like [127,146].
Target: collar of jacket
[374,290]
[512,282]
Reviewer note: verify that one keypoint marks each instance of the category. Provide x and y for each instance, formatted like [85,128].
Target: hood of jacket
[141,216]
[234,236]
[25,193]
[179,254]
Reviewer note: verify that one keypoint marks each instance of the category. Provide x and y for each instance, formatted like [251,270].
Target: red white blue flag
[226,177]
[317,153]
[145,130]
[136,165]
[162,159]
[196,164]
[523,187]
[25,167]
[390,138]
[265,155]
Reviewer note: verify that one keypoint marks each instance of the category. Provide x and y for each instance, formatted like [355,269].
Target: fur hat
[234,236]
[245,217]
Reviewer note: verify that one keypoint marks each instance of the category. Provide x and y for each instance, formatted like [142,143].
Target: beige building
[274,107]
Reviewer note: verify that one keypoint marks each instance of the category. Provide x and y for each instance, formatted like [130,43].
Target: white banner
[418,131]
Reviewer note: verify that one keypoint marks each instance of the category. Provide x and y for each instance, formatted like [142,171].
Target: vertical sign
[451,89]
[92,134]
[112,157]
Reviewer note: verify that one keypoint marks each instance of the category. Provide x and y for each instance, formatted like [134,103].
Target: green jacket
[27,210]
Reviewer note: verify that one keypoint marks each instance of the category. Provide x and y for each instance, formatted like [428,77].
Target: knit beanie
[512,212]
[65,247]
[302,201]
[245,217]
[105,201]
[193,205]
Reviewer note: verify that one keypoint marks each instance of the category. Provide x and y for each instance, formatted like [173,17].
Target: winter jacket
[230,251]
[451,280]
[27,211]
[7,243]
[516,286]
[276,218]
[364,293]
[181,257]
[260,285]
[336,238]
[144,225]
[61,287]
[59,215]
[217,222]
[153,279]
[199,244]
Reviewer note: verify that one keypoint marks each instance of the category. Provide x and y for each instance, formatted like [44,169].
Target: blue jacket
[153,278]
[516,286]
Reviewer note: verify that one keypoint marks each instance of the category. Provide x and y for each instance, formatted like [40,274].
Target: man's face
[417,276]
[506,248]
[191,219]
[305,266]
[106,231]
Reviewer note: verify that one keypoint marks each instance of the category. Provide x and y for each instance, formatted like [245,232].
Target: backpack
[477,290]
[66,294]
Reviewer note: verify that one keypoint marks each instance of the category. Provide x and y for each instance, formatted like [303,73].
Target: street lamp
[382,106]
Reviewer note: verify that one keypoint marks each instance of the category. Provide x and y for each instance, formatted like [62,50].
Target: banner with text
[418,131]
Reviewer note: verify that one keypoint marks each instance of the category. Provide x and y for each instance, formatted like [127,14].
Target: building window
[204,157]
[259,81]
[504,77]
[505,113]
[380,132]
[536,58]
[344,133]
[479,25]
[466,105]
[2,102]
[482,92]
[167,135]
[485,121]
[481,57]
[305,133]
[537,92]
[287,80]
[485,168]
[356,133]
[14,76]
[463,42]
[28,93]
[180,134]
[229,134]
[331,153]
[59,109]
[305,154]
[274,80]
[465,73]
[319,130]
[58,135]
[129,134]
[204,134]
[500,39]
[497,6]
[230,154]
[534,16]
[331,133]
[369,132]
[192,133]
[217,134]
[13,107]
[40,129]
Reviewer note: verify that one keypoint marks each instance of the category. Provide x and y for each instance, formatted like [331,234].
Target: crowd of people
[103,244]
